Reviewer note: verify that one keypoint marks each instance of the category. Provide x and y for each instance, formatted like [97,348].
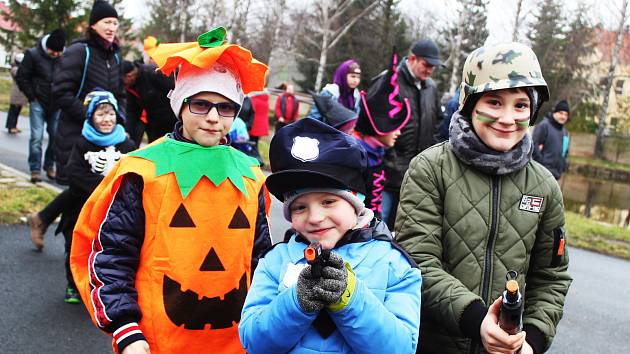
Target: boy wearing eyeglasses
[165,248]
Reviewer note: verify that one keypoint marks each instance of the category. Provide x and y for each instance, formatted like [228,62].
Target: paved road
[35,319]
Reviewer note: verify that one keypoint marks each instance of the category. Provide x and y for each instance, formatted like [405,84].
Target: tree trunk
[456,53]
[322,63]
[323,56]
[599,143]
[517,20]
[279,9]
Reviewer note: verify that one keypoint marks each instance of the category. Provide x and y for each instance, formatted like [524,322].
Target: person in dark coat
[148,107]
[17,99]
[101,144]
[73,80]
[35,77]
[414,79]
[451,107]
[551,140]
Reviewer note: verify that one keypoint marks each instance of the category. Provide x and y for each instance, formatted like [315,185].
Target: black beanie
[56,40]
[100,10]
[561,106]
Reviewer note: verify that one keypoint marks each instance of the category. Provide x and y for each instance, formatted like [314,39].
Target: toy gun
[511,315]
[316,257]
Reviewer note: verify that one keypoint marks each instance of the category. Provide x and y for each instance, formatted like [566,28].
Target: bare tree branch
[343,30]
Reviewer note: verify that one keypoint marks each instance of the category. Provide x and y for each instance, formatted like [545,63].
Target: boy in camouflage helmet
[477,206]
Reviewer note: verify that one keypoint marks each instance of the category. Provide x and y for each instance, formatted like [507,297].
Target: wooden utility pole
[599,143]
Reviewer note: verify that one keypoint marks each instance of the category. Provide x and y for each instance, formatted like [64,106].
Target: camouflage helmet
[503,66]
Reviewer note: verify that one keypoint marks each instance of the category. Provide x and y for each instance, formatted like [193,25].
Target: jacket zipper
[485,289]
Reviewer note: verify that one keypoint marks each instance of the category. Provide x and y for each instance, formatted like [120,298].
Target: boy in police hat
[367,294]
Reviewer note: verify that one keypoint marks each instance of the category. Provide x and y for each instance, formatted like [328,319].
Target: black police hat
[312,154]
[383,110]
[333,113]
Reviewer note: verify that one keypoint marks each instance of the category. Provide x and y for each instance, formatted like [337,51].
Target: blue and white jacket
[382,316]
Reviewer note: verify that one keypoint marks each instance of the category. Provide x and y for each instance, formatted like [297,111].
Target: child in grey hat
[362,292]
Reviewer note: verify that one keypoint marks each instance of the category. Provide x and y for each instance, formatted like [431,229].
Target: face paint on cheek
[485,117]
[522,123]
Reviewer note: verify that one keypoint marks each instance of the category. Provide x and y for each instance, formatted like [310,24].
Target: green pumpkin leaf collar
[190,162]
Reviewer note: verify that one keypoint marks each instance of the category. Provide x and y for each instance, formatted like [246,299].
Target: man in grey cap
[414,79]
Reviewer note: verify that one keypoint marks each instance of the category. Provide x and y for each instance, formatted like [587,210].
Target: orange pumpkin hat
[209,51]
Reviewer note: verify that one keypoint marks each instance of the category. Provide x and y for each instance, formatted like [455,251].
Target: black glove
[305,291]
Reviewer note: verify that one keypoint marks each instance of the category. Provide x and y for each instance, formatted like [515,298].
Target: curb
[25,176]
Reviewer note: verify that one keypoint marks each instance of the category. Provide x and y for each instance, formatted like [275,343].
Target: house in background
[7,31]
[619,95]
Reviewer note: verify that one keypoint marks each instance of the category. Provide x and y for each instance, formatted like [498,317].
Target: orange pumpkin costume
[194,267]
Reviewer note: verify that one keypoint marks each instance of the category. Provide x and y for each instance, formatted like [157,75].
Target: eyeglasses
[203,107]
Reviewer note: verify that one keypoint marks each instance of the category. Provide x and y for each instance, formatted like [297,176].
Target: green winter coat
[466,229]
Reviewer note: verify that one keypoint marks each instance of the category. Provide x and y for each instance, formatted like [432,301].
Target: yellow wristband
[347,294]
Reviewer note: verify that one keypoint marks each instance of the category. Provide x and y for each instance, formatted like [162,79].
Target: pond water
[605,201]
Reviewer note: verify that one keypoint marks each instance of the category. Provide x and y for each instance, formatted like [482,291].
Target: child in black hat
[384,113]
[365,293]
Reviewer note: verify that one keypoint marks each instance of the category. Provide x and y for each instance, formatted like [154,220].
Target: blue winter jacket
[383,315]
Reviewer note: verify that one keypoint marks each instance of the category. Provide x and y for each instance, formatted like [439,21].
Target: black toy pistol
[316,257]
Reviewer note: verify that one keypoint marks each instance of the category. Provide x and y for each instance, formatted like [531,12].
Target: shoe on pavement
[50,173]
[72,296]
[38,229]
[36,177]
[14,130]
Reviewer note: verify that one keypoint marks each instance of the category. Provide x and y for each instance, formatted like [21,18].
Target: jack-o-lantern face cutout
[187,307]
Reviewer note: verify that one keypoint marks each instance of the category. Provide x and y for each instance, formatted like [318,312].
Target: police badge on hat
[305,148]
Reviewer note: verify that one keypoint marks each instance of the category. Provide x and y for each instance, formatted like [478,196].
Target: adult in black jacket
[73,81]
[414,80]
[35,78]
[551,140]
[147,91]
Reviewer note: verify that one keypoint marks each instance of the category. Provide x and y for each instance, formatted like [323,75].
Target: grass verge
[597,236]
[17,202]
[599,163]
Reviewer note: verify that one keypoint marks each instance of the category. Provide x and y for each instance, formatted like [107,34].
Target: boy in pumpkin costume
[164,249]
[365,297]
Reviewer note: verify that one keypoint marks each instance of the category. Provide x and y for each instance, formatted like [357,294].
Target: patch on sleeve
[292,274]
[531,203]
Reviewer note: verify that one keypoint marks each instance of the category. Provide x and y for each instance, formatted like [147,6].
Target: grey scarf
[473,152]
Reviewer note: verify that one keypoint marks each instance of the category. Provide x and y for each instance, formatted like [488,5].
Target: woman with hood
[343,88]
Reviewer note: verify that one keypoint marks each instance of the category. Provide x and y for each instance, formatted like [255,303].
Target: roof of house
[4,23]
[606,44]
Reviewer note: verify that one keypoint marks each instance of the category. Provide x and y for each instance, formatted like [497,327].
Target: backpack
[85,68]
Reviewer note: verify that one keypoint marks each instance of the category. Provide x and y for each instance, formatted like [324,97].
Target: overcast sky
[500,13]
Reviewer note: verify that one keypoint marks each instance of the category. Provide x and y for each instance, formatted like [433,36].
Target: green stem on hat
[213,38]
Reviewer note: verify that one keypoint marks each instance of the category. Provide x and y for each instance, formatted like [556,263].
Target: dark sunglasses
[203,107]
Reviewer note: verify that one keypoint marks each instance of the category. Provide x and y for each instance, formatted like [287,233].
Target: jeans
[389,206]
[39,117]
